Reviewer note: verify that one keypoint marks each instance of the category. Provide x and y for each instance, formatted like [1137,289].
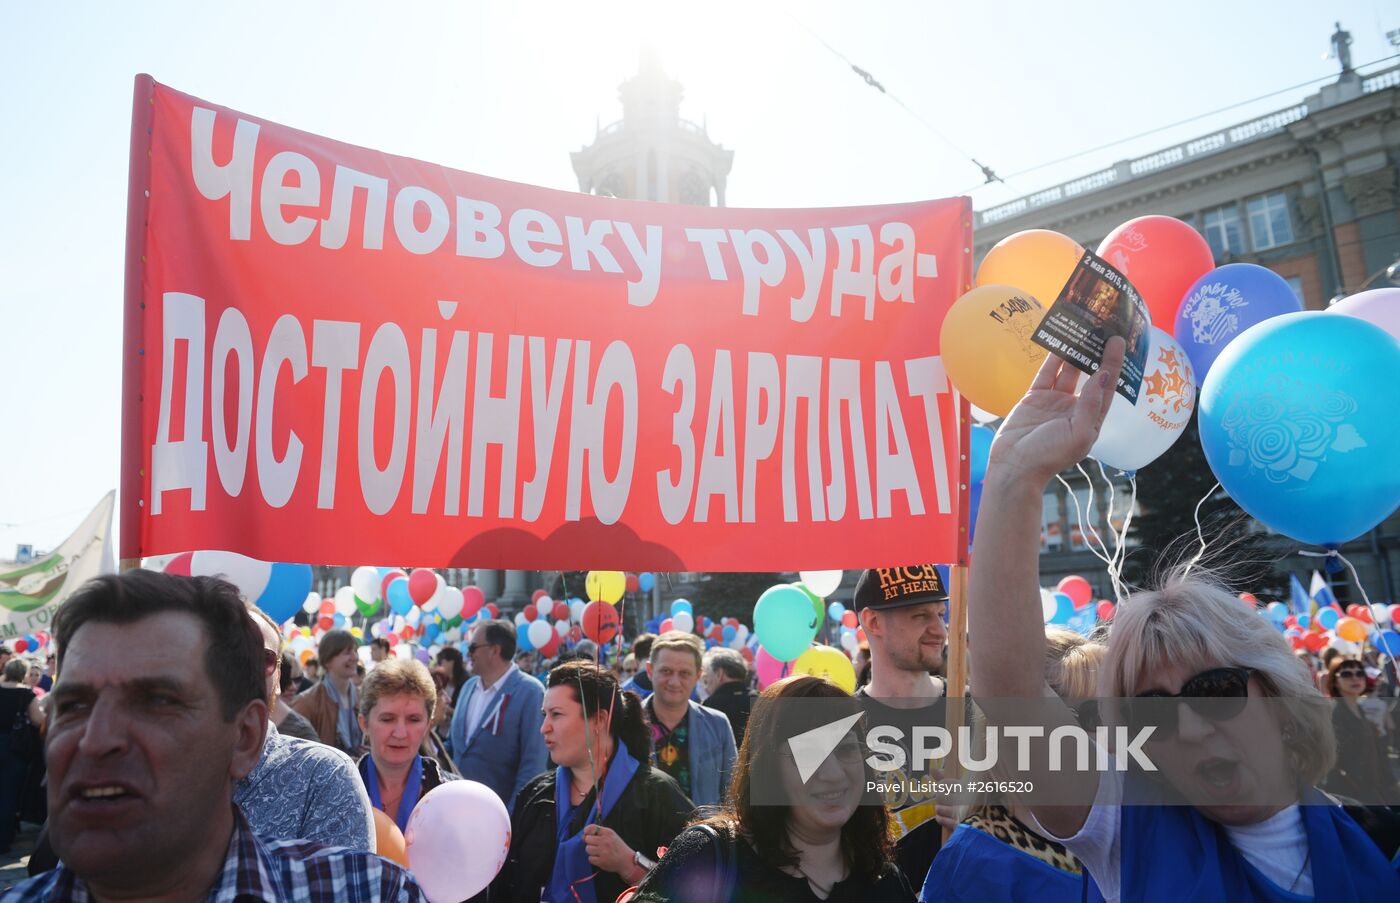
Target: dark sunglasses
[272,660]
[1350,672]
[475,646]
[1203,694]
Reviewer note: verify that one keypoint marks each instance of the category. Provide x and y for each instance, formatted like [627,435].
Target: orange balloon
[388,839]
[1351,630]
[986,345]
[1037,261]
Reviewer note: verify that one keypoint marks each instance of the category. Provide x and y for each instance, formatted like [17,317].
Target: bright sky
[508,89]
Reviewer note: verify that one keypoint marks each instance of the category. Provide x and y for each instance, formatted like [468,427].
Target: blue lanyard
[412,789]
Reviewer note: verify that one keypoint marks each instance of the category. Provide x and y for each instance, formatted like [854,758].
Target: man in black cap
[902,611]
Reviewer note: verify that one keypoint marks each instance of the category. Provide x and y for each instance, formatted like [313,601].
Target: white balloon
[312,603]
[345,601]
[1134,436]
[742,633]
[540,633]
[457,839]
[520,618]
[823,583]
[1048,604]
[450,605]
[683,621]
[982,416]
[248,574]
[436,598]
[414,616]
[365,581]
[562,628]
[849,642]
[576,612]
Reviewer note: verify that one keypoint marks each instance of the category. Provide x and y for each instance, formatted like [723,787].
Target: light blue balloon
[400,602]
[1064,610]
[285,593]
[835,610]
[1277,612]
[522,637]
[1223,304]
[784,622]
[337,621]
[728,632]
[1305,621]
[681,605]
[1298,422]
[1328,618]
[646,581]
[979,448]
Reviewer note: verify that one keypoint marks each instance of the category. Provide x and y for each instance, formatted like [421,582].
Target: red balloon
[550,649]
[389,578]
[575,633]
[530,612]
[600,622]
[472,601]
[422,583]
[327,606]
[537,595]
[1314,642]
[325,622]
[561,611]
[1078,590]
[21,645]
[747,653]
[1105,610]
[1162,257]
[393,639]
[848,619]
[407,631]
[667,625]
[1363,614]
[494,609]
[633,584]
[1290,621]
[1297,642]
[180,564]
[1249,599]
[860,634]
[717,633]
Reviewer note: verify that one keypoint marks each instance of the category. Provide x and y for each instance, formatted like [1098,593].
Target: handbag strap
[724,863]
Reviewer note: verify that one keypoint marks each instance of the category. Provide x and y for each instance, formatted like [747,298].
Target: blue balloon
[1328,618]
[1304,621]
[1224,303]
[1389,643]
[646,581]
[835,610]
[522,637]
[974,504]
[1277,612]
[1297,420]
[681,605]
[431,632]
[784,622]
[1064,610]
[286,590]
[728,633]
[710,644]
[337,621]
[400,602]
[979,448]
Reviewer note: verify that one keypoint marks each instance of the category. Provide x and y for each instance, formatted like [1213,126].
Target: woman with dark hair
[587,830]
[453,669]
[782,838]
[1362,770]
[20,718]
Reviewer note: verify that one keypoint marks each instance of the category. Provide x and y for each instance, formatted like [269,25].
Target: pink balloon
[1380,306]
[472,601]
[769,668]
[180,564]
[457,838]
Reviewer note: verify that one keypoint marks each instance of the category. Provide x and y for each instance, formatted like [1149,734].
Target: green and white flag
[30,595]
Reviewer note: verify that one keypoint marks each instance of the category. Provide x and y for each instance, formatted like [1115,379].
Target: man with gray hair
[725,675]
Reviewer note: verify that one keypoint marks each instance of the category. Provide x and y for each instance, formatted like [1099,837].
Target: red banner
[339,356]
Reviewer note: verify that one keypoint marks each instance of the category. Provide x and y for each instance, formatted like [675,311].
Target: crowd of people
[189,756]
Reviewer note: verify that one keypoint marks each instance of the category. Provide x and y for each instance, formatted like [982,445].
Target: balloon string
[1366,599]
[1200,535]
[1091,529]
[1120,543]
[1079,514]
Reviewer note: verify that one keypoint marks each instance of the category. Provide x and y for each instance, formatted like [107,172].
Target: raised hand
[1052,428]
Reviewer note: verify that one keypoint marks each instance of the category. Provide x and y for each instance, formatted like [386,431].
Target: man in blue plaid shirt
[160,709]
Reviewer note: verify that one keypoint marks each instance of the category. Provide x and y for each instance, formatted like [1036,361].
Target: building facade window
[1223,230]
[1269,222]
[1296,283]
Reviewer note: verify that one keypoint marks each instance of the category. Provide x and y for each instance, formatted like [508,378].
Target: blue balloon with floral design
[1298,420]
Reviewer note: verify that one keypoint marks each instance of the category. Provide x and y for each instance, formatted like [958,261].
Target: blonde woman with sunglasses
[1240,737]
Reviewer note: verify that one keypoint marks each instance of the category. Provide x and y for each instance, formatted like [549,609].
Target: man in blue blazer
[496,726]
[691,743]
